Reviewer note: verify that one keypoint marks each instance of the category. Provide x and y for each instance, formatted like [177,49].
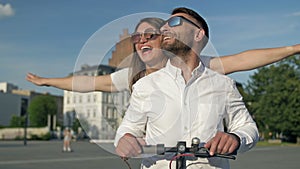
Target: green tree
[39,108]
[82,123]
[273,97]
[17,121]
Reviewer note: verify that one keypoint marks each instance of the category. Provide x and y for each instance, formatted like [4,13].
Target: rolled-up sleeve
[120,79]
[239,120]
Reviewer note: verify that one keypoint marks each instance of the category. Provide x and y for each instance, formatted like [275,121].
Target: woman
[67,140]
[148,58]
[147,55]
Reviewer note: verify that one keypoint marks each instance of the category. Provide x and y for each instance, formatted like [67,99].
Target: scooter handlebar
[201,152]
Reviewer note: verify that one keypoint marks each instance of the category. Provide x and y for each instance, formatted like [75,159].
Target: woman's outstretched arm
[75,83]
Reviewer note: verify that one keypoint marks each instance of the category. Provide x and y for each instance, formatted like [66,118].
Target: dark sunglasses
[148,35]
[177,21]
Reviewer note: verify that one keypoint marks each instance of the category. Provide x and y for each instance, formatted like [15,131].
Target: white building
[98,112]
[6,87]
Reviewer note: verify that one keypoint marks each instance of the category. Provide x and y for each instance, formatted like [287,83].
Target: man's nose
[164,28]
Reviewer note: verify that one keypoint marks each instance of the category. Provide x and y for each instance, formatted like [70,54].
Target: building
[6,87]
[121,56]
[99,113]
[11,105]
[55,120]
[14,101]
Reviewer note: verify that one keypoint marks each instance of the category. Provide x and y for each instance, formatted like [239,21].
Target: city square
[49,155]
[76,79]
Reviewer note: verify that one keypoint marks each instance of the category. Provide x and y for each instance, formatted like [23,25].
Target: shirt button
[185,128]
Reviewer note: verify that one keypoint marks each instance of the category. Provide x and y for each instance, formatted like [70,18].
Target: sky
[48,37]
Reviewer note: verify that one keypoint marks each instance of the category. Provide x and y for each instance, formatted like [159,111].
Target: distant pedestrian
[67,140]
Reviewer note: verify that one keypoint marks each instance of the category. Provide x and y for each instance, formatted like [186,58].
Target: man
[186,100]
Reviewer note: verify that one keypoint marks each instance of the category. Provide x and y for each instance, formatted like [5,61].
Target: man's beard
[178,48]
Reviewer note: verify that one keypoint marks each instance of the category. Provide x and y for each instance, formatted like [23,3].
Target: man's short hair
[195,15]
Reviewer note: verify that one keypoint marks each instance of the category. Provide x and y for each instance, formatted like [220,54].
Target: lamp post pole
[25,129]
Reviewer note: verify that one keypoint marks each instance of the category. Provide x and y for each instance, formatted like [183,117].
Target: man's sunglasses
[177,21]
[148,35]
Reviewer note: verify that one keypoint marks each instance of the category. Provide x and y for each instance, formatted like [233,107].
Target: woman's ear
[199,34]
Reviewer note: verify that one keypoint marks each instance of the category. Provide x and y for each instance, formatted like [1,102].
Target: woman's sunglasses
[177,21]
[148,35]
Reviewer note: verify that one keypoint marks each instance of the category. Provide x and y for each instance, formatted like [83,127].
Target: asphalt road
[48,155]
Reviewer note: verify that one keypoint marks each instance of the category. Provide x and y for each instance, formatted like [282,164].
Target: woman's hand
[37,80]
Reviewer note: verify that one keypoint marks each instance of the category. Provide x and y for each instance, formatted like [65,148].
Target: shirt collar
[172,70]
[175,71]
[198,70]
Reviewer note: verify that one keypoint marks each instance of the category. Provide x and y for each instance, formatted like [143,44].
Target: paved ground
[48,155]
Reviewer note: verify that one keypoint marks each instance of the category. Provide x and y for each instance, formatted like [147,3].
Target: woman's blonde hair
[138,66]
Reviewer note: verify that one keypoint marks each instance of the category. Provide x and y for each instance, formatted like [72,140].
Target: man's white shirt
[168,109]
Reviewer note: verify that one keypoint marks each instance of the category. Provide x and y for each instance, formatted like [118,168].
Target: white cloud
[295,14]
[6,10]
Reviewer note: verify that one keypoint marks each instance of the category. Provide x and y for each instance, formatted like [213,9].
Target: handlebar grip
[159,149]
[232,157]
[203,152]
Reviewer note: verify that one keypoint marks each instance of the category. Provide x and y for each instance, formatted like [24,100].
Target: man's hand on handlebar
[223,143]
[130,146]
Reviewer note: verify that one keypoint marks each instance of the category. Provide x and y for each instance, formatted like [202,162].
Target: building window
[109,98]
[95,98]
[110,113]
[88,113]
[68,100]
[80,99]
[94,113]
[107,112]
[115,112]
[104,97]
[88,98]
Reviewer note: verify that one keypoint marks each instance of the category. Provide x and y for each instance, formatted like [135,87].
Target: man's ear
[199,34]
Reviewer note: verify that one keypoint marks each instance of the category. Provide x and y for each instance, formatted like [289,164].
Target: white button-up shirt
[172,110]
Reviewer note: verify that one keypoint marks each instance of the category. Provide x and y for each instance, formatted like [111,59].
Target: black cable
[126,162]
